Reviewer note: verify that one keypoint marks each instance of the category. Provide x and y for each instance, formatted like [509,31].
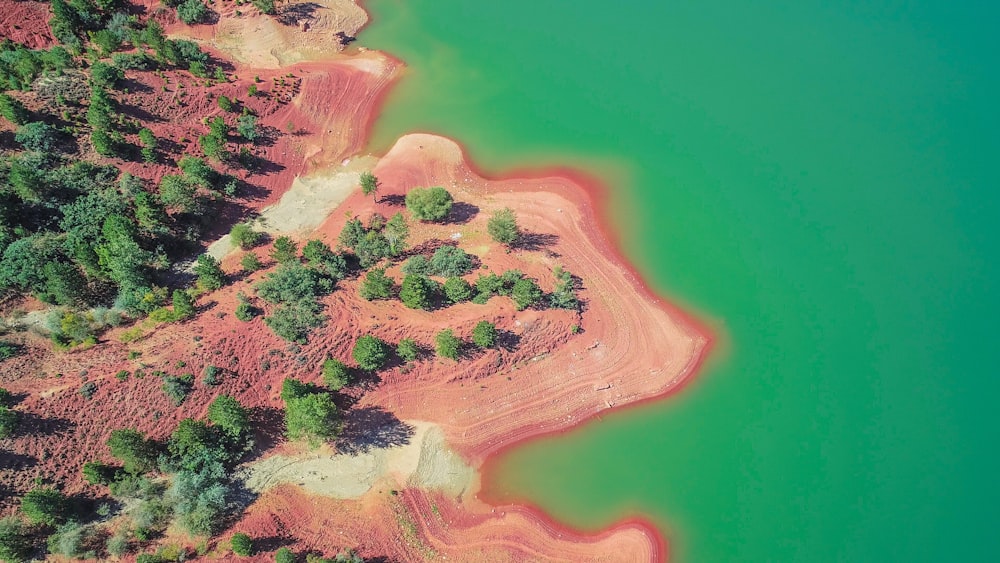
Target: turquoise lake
[816,181]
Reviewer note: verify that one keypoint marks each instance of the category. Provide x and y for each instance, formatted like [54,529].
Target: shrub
[97,473]
[225,104]
[88,389]
[209,271]
[183,305]
[36,136]
[211,375]
[104,75]
[489,285]
[192,12]
[284,555]
[416,291]
[376,285]
[284,250]
[13,110]
[457,290]
[484,334]
[8,350]
[447,344]
[265,6]
[408,350]
[15,543]
[245,311]
[525,293]
[336,374]
[244,236]
[132,447]
[563,295]
[68,540]
[450,261]
[429,204]
[294,321]
[292,283]
[417,265]
[242,544]
[228,414]
[122,375]
[250,262]
[8,422]
[6,398]
[312,417]
[369,184]
[44,505]
[370,352]
[177,388]
[246,126]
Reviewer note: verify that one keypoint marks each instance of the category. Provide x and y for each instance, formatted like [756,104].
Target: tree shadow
[369,428]
[293,13]
[461,213]
[394,200]
[30,424]
[16,461]
[507,340]
[536,241]
[268,424]
[272,543]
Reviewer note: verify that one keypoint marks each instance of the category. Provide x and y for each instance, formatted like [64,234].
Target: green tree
[284,250]
[213,146]
[292,283]
[15,543]
[450,261]
[103,143]
[447,344]
[396,232]
[13,110]
[225,104]
[132,447]
[408,350]
[376,285]
[265,6]
[457,290]
[36,136]
[484,334]
[336,374]
[120,254]
[192,12]
[369,184]
[180,193]
[244,236]
[148,141]
[312,417]
[209,272]
[246,126]
[44,505]
[526,293]
[564,294]
[97,473]
[8,422]
[416,291]
[370,352]
[183,306]
[352,233]
[294,321]
[283,555]
[104,75]
[228,414]
[197,171]
[429,204]
[250,262]
[242,544]
[502,226]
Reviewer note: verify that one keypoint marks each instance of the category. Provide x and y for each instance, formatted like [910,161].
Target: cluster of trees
[195,495]
[381,238]
[294,288]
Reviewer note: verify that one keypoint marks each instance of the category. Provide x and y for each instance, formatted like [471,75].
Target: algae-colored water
[818,181]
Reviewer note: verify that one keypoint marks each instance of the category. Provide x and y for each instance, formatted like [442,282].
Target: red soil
[26,22]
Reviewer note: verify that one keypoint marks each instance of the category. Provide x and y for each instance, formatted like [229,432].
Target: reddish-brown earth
[26,22]
[543,378]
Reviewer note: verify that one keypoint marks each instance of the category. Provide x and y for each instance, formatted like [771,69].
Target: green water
[819,184]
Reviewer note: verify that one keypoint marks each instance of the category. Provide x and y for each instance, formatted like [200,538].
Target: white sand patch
[425,461]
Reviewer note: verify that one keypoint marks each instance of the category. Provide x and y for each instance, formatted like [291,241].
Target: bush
[192,12]
[429,204]
[295,321]
[228,414]
[376,285]
[211,375]
[336,374]
[104,75]
[97,473]
[13,110]
[183,305]
[36,136]
[447,344]
[245,311]
[44,505]
[242,544]
[225,104]
[246,126]
[284,555]
[312,417]
[250,262]
[416,292]
[417,265]
[15,543]
[284,250]
[525,293]
[88,389]
[484,334]
[370,352]
[408,350]
[132,447]
[450,261]
[177,388]
[564,295]
[8,350]
[457,290]
[68,540]
[292,283]
[209,271]
[8,422]
[244,236]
